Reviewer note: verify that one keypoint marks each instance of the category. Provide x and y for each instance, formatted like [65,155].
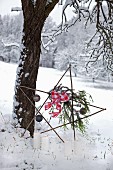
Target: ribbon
[56,99]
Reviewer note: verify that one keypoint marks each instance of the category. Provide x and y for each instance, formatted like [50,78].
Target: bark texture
[34,18]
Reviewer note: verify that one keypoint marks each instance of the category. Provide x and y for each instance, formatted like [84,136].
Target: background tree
[1,26]
[47,54]
[71,46]
[35,14]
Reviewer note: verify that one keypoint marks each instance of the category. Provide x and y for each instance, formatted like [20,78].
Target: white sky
[6,5]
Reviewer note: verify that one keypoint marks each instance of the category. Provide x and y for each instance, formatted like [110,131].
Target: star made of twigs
[62,95]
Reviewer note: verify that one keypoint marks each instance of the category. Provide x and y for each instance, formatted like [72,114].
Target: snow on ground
[94,150]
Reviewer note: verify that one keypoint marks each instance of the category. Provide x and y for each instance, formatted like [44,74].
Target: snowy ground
[95,150]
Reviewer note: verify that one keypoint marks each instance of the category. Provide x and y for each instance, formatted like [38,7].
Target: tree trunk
[34,18]
[29,63]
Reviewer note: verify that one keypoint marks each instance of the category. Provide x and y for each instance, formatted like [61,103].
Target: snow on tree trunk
[29,63]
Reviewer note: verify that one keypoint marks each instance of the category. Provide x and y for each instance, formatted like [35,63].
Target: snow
[47,151]
[11,44]
[49,1]
[27,74]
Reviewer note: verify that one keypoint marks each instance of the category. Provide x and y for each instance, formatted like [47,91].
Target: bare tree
[34,18]
[35,13]
[102,48]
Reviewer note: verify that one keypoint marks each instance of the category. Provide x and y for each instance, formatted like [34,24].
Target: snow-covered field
[89,152]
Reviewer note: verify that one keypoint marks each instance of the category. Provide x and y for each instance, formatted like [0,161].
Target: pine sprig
[81,101]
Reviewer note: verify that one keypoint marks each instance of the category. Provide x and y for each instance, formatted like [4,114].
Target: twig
[41,114]
[34,89]
[72,101]
[62,77]
[3,117]
[75,120]
[95,106]
[38,111]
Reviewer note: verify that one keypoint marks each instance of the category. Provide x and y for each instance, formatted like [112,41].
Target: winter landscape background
[46,152]
[92,150]
[58,52]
